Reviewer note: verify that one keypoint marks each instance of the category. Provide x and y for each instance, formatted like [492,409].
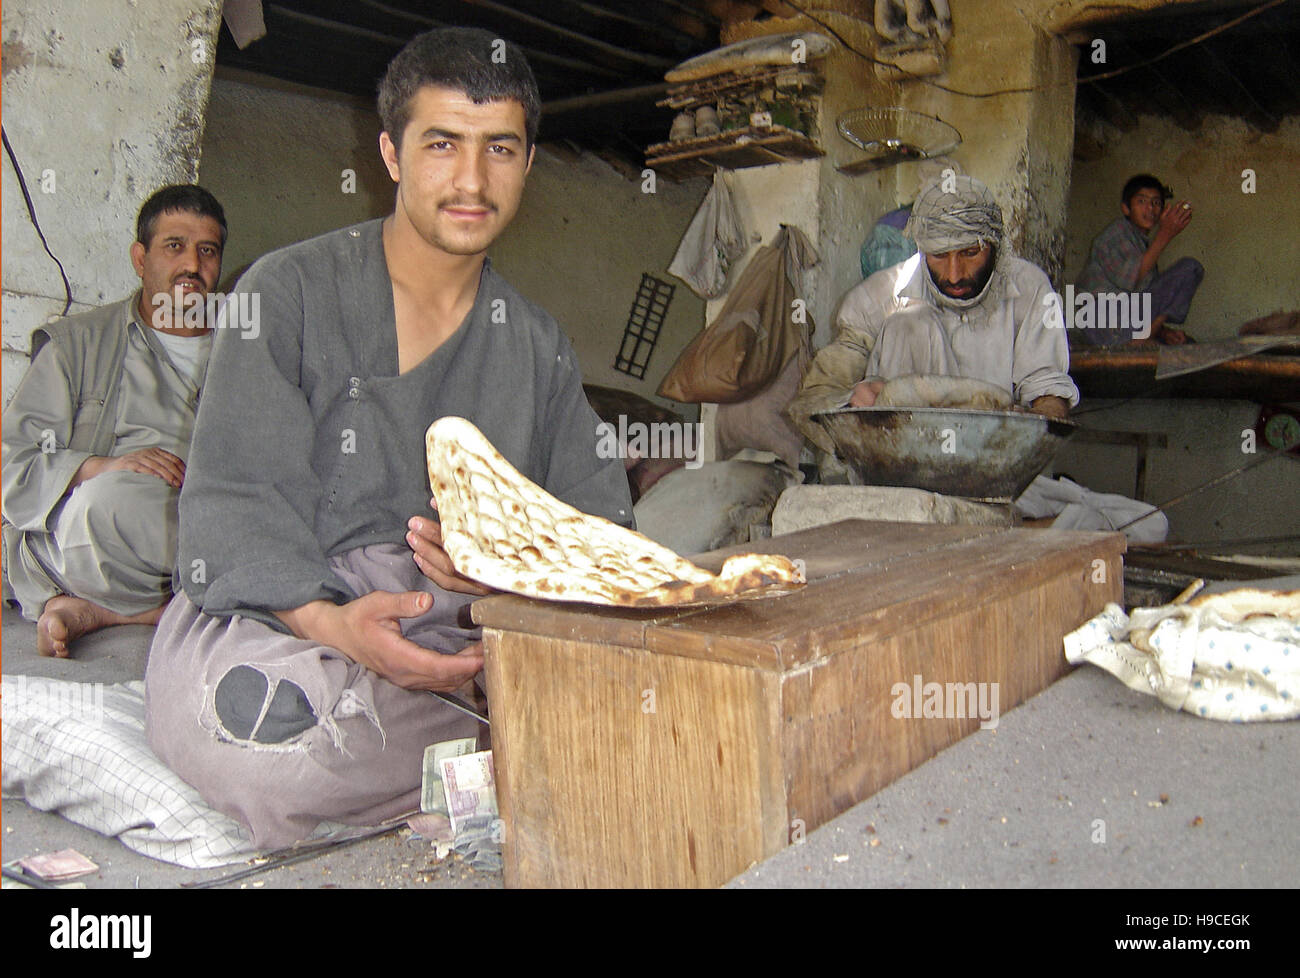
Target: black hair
[1144,181]
[177,197]
[466,59]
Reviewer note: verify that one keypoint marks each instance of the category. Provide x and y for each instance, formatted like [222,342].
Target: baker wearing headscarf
[962,307]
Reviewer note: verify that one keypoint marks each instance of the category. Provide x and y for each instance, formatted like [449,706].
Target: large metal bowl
[986,455]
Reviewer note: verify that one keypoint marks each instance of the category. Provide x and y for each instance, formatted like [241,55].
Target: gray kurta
[309,443]
[308,460]
[112,539]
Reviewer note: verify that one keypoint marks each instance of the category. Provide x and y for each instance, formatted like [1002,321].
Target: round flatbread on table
[505,531]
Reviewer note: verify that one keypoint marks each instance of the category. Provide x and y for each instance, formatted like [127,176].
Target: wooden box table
[678,747]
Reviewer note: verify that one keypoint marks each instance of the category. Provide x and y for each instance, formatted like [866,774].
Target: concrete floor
[1183,803]
[1088,784]
[118,655]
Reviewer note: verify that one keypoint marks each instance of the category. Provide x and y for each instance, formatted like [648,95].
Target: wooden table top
[866,580]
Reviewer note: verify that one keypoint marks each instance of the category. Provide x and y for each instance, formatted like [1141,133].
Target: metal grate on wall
[643,324]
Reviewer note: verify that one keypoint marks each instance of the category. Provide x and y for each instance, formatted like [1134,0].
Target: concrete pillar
[103,104]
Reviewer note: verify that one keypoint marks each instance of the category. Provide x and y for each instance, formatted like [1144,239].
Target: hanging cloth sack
[759,329]
[713,241]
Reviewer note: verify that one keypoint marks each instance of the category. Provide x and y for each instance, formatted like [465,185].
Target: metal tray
[991,456]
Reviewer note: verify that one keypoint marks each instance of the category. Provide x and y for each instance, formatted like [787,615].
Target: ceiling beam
[682,41]
[619,96]
[1185,111]
[395,42]
[656,62]
[1242,98]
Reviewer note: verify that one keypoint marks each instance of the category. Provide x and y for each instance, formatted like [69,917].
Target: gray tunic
[310,444]
[111,540]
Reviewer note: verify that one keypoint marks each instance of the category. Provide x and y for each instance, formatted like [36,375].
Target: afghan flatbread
[1247,602]
[504,531]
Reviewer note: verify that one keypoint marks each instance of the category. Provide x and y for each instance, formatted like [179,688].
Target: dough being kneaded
[917,390]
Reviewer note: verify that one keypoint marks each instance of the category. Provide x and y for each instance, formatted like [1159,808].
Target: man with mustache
[96,436]
[289,682]
[964,306]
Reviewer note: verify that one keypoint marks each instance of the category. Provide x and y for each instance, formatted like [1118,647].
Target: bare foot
[66,618]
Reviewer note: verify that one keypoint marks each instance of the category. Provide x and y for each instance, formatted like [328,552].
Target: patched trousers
[283,733]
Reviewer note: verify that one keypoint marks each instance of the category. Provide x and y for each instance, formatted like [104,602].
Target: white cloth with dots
[1195,660]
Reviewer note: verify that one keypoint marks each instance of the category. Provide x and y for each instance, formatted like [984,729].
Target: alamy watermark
[238,310]
[79,701]
[75,931]
[660,439]
[1099,310]
[945,701]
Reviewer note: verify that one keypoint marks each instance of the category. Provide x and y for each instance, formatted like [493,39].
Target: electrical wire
[1183,44]
[910,76]
[31,212]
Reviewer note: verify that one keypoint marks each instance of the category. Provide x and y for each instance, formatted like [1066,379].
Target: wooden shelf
[707,91]
[737,149]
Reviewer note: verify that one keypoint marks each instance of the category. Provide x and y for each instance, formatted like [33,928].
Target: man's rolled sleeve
[38,465]
[1041,353]
[839,366]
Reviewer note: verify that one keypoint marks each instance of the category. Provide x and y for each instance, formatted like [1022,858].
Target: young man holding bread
[316,604]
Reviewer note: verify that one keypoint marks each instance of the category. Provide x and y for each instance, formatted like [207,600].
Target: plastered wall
[1204,441]
[1246,241]
[582,238]
[289,162]
[103,104]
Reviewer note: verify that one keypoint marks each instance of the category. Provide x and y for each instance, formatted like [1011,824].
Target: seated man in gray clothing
[96,436]
[287,682]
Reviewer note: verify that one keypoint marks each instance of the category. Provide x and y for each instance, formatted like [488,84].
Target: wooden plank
[1193,566]
[1138,439]
[565,619]
[826,550]
[596,790]
[774,633]
[843,742]
[776,137]
[850,544]
[622,766]
[1261,377]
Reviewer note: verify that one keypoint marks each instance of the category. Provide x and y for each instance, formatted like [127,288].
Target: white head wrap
[965,214]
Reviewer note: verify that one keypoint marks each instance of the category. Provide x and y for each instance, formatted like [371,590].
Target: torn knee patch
[250,707]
